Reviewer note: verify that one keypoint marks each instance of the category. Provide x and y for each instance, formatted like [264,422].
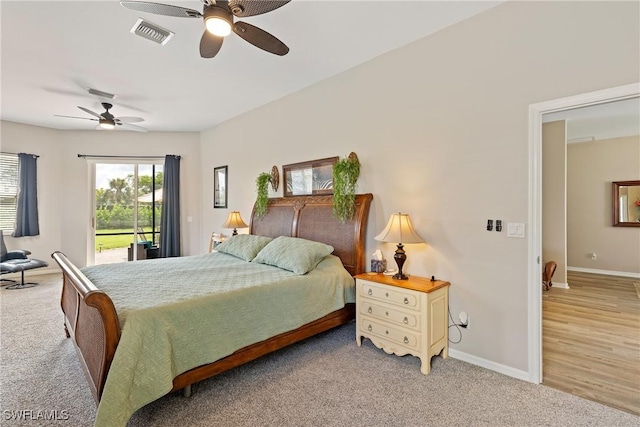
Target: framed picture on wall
[313,177]
[220,187]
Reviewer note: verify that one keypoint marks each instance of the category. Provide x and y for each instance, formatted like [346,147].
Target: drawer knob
[369,310]
[386,313]
[406,300]
[405,321]
[370,328]
[406,340]
[386,332]
[370,292]
[386,294]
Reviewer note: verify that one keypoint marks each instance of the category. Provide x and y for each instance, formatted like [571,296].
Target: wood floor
[591,339]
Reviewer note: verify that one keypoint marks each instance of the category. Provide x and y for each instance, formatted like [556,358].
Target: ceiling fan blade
[74,117]
[260,38]
[161,9]
[129,126]
[244,8]
[210,44]
[128,119]
[86,110]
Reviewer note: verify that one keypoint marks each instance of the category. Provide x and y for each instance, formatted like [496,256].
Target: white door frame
[535,205]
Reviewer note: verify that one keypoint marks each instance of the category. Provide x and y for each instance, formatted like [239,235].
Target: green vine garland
[262,188]
[345,175]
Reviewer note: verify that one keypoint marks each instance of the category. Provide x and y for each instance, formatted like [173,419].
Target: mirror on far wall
[626,203]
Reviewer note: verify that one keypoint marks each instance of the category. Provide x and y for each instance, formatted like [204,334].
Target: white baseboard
[560,285]
[484,363]
[606,272]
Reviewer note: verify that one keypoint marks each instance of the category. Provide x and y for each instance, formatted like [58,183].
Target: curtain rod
[15,154]
[96,156]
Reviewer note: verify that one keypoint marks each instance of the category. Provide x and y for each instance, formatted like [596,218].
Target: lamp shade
[234,221]
[399,230]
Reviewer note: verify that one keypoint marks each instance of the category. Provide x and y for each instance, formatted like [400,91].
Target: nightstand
[403,316]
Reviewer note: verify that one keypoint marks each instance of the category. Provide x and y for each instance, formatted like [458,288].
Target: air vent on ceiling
[151,31]
[101,93]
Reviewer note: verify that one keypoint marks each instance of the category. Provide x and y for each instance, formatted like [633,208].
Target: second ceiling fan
[107,121]
[218,17]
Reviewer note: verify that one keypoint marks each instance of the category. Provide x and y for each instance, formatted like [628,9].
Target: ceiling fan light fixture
[218,21]
[107,124]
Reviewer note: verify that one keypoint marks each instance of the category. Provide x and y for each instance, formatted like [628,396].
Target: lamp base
[400,258]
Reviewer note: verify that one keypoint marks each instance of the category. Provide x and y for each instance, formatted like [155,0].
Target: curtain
[170,220]
[27,202]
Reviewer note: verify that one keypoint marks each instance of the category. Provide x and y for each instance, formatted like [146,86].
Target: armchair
[17,261]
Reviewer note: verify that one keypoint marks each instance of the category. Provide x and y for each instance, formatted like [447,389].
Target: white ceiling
[53,51]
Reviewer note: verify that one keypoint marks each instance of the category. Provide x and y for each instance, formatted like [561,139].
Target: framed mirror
[626,203]
[220,187]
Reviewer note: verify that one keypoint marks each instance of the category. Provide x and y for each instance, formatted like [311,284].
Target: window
[8,190]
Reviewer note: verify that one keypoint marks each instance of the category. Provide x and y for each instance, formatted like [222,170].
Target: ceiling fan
[218,18]
[107,121]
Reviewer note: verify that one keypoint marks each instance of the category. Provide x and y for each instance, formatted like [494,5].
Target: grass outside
[121,241]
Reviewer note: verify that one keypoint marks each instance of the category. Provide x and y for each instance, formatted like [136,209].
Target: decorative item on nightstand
[234,221]
[399,230]
[216,239]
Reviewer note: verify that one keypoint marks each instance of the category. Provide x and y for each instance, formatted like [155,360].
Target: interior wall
[17,138]
[554,185]
[63,182]
[590,209]
[441,129]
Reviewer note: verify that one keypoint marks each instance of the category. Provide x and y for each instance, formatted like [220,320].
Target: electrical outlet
[464,319]
[594,256]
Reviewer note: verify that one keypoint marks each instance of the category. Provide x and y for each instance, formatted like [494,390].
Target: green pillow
[293,254]
[244,246]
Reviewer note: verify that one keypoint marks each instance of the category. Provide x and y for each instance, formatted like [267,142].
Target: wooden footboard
[91,320]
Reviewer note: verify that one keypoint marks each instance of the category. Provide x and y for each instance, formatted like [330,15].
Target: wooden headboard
[311,217]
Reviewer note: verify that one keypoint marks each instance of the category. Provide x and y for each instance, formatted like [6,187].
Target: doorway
[536,112]
[126,211]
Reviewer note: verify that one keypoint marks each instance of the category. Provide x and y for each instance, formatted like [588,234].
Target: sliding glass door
[127,208]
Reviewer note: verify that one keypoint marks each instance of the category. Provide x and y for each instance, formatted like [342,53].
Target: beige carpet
[324,381]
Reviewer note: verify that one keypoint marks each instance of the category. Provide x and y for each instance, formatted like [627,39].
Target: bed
[101,326]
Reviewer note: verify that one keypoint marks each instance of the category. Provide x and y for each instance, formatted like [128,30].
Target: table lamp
[399,230]
[234,221]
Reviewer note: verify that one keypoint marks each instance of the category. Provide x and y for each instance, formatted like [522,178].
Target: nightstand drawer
[404,338]
[396,316]
[390,295]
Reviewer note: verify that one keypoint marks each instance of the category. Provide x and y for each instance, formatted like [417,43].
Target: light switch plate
[515,229]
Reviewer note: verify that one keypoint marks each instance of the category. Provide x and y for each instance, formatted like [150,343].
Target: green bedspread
[180,313]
